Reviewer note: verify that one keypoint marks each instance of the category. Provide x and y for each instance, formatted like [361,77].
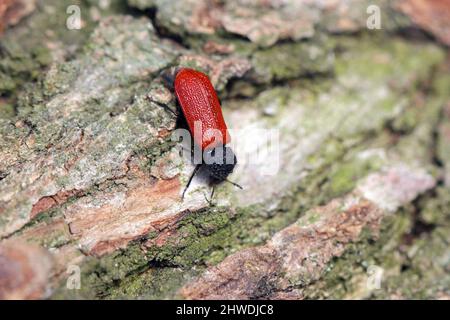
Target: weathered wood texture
[91,179]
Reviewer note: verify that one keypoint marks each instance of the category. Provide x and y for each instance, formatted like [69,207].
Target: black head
[219,169]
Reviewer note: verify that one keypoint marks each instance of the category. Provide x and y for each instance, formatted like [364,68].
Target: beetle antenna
[234,184]
[190,180]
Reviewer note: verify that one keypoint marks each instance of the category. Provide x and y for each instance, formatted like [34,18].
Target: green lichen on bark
[208,236]
[27,50]
[411,269]
[399,250]
[91,117]
[97,97]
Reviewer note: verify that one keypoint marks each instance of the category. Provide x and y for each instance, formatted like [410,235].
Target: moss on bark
[83,128]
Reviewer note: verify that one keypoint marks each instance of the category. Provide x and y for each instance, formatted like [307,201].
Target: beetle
[200,104]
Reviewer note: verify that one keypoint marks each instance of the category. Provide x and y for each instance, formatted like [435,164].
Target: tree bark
[352,201]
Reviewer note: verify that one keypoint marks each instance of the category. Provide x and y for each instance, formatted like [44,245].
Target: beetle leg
[212,193]
[164,106]
[210,199]
[197,167]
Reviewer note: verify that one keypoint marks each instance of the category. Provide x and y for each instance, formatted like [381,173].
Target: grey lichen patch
[431,262]
[348,276]
[400,259]
[197,236]
[88,124]
[220,70]
[430,133]
[293,60]
[18,66]
[189,246]
[353,167]
[348,110]
[29,48]
[424,272]
[298,254]
[264,24]
[365,63]
[92,135]
[201,239]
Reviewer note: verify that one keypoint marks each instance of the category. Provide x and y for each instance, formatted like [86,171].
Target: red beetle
[199,102]
[200,105]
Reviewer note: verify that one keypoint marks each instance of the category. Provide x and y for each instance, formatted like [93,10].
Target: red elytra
[199,102]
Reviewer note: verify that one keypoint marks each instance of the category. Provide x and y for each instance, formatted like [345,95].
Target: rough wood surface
[90,177]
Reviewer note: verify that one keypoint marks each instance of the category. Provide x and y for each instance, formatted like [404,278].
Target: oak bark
[91,181]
